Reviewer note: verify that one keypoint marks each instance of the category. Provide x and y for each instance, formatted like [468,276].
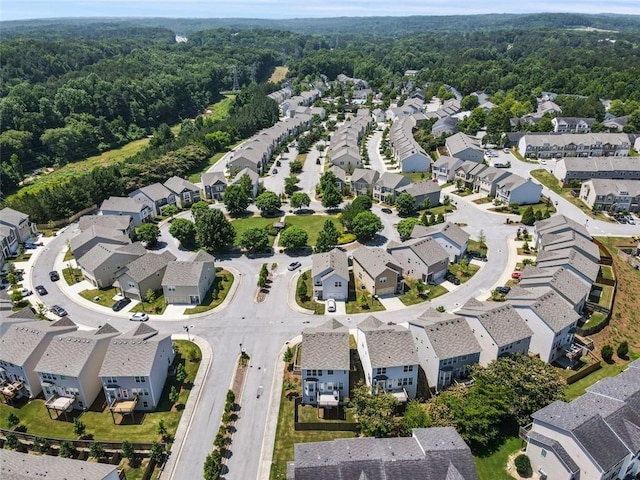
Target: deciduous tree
[366,225]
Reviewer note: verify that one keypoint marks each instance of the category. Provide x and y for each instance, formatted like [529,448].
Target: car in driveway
[331,305]
[54,276]
[477,255]
[293,266]
[120,304]
[58,310]
[387,210]
[503,290]
[41,290]
[516,275]
[139,317]
[450,277]
[23,291]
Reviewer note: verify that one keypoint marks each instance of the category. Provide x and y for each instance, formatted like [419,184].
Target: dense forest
[71,91]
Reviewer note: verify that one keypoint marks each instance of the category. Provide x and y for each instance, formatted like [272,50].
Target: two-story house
[568,241]
[421,258]
[444,169]
[116,223]
[330,273]
[144,274]
[156,196]
[253,176]
[21,348]
[464,147]
[486,182]
[341,177]
[389,358]
[93,235]
[70,366]
[214,184]
[426,192]
[19,222]
[448,235]
[572,124]
[550,317]
[498,329]
[362,181]
[378,271]
[103,263]
[135,208]
[188,282]
[571,259]
[556,225]
[572,169]
[515,189]
[325,364]
[567,284]
[135,369]
[446,348]
[185,192]
[611,195]
[388,185]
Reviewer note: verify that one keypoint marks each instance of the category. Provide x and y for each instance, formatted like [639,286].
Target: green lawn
[607,272]
[157,307]
[34,415]
[309,303]
[494,466]
[482,201]
[196,175]
[542,206]
[418,176]
[411,296]
[68,256]
[594,320]
[222,284]
[462,276]
[309,413]
[476,246]
[105,296]
[354,305]
[312,224]
[72,275]
[608,370]
[241,225]
[606,297]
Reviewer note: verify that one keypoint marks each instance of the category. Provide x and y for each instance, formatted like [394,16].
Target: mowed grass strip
[312,224]
[241,225]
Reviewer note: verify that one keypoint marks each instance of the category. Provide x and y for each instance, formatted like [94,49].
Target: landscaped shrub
[346,238]
[607,353]
[523,465]
[623,349]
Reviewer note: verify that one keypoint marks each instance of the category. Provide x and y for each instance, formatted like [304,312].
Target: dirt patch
[625,316]
[279,74]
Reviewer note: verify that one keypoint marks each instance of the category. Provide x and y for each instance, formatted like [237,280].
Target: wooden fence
[584,372]
[325,426]
[66,221]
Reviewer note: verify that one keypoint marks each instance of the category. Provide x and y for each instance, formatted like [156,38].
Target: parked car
[54,276]
[387,210]
[58,310]
[275,170]
[24,291]
[516,275]
[139,317]
[477,255]
[41,290]
[120,304]
[450,277]
[503,290]
[331,305]
[293,266]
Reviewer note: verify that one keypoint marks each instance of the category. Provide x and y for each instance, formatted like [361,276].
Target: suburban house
[570,259]
[515,189]
[137,209]
[410,156]
[18,222]
[389,358]
[486,182]
[325,364]
[103,263]
[453,239]
[573,169]
[188,282]
[341,177]
[135,368]
[558,145]
[569,240]
[143,274]
[255,181]
[27,314]
[70,366]
[21,348]
[464,147]
[24,466]
[556,225]
[430,453]
[468,172]
[444,169]
[95,234]
[214,184]
[615,124]
[155,196]
[379,272]
[611,195]
[572,124]
[345,141]
[8,242]
[388,185]
[445,126]
[421,258]
[551,318]
[568,285]
[499,329]
[253,157]
[330,273]
[186,193]
[119,223]
[347,158]
[423,191]
[446,348]
[363,180]
[565,440]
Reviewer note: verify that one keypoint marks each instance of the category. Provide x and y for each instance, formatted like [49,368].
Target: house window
[329,372]
[145,404]
[111,379]
[383,279]
[381,371]
[140,379]
[132,285]
[171,288]
[408,368]
[543,453]
[338,284]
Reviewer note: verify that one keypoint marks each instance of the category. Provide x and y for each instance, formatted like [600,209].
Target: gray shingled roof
[12,217]
[421,188]
[563,281]
[560,223]
[425,248]
[326,347]
[621,387]
[105,234]
[450,338]
[156,191]
[23,466]
[102,251]
[245,171]
[555,311]
[123,204]
[67,354]
[569,257]
[450,230]
[334,261]
[502,322]
[365,175]
[133,353]
[392,180]
[178,185]
[562,241]
[375,260]
[185,273]
[22,339]
[113,222]
[147,265]
[211,178]
[202,256]
[389,345]
[559,450]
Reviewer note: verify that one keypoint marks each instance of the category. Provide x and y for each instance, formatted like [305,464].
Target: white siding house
[330,272]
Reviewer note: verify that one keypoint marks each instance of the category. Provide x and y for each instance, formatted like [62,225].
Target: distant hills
[377,26]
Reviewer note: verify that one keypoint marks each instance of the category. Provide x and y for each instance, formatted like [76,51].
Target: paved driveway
[392,303]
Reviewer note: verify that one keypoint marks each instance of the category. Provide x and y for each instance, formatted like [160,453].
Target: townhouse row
[15,229]
[346,141]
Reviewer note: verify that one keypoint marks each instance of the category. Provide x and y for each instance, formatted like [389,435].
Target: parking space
[391,303]
[341,308]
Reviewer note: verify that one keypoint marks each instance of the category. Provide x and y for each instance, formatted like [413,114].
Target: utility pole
[234,72]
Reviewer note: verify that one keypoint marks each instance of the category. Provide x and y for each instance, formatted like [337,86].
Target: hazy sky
[24,9]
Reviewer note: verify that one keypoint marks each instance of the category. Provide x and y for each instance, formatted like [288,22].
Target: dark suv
[477,255]
[120,304]
[54,276]
[452,278]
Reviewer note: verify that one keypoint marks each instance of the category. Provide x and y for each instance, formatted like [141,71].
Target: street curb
[268,439]
[192,403]
[291,297]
